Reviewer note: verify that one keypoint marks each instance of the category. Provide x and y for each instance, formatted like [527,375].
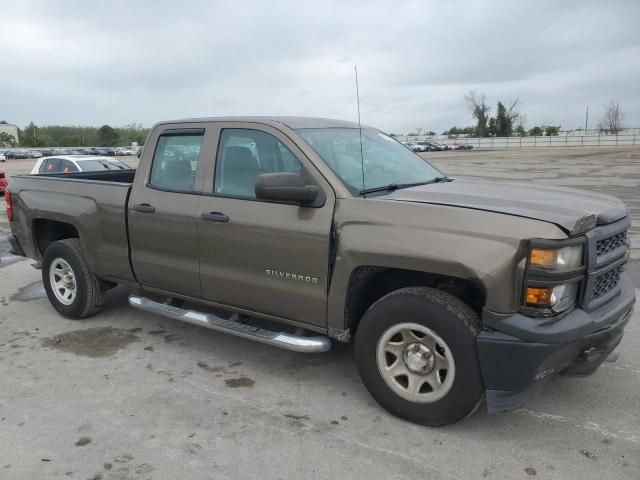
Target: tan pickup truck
[297,232]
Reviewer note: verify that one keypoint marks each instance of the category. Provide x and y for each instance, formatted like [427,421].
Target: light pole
[586,120]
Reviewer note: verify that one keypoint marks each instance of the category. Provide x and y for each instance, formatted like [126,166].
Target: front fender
[485,248]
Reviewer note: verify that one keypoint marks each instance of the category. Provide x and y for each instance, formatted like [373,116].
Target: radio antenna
[355,67]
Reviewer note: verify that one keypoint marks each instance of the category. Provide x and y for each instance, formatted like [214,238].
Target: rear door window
[51,165]
[175,161]
[68,167]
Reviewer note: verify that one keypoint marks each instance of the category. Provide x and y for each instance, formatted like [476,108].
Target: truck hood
[575,211]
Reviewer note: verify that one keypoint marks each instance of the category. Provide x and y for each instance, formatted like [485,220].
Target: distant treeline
[64,136]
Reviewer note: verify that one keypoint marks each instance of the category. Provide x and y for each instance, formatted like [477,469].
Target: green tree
[132,133]
[32,136]
[552,130]
[107,136]
[520,131]
[75,136]
[459,131]
[480,110]
[535,132]
[7,140]
[491,129]
[504,123]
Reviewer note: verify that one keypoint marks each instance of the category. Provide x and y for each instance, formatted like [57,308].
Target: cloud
[74,62]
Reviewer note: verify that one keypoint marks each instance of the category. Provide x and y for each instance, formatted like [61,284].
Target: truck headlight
[557,259]
[554,272]
[557,298]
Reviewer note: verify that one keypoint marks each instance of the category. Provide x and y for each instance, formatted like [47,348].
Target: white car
[2,157]
[76,163]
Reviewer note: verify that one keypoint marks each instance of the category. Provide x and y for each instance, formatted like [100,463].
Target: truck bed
[94,203]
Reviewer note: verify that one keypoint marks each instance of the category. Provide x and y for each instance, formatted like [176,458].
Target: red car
[3,182]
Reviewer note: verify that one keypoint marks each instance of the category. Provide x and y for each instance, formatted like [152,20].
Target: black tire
[89,298]
[454,322]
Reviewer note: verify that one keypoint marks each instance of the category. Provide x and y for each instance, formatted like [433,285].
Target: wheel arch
[369,283]
[46,231]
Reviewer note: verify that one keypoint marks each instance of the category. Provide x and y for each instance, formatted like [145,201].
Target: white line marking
[594,427]
[625,368]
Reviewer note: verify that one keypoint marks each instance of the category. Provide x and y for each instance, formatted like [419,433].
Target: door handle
[144,208]
[215,217]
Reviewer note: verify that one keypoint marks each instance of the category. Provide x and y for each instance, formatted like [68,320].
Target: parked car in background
[108,151]
[16,154]
[440,146]
[461,146]
[421,147]
[3,182]
[2,157]
[127,151]
[426,146]
[71,164]
[34,154]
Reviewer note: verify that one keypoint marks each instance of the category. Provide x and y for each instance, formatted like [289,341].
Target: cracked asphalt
[129,395]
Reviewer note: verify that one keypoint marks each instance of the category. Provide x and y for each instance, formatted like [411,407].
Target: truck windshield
[386,161]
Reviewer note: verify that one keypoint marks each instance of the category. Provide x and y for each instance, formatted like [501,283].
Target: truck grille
[604,283]
[609,244]
[606,248]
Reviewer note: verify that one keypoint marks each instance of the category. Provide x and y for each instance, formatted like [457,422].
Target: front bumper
[520,354]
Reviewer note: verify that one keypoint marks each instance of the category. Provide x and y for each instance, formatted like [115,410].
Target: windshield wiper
[398,186]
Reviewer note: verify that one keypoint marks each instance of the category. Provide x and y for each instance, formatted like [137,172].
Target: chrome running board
[288,341]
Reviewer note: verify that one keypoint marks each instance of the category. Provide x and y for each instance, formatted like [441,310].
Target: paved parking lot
[129,395]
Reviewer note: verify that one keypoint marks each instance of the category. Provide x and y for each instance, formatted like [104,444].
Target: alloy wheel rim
[415,362]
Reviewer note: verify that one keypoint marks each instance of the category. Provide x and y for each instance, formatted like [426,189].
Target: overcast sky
[119,62]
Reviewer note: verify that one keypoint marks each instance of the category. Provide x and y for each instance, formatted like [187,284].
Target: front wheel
[72,289]
[415,349]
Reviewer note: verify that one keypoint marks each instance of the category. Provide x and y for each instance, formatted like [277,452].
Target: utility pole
[586,121]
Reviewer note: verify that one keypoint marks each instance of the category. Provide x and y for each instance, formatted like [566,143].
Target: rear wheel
[72,289]
[416,353]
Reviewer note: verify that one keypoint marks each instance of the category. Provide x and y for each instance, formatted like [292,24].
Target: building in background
[11,130]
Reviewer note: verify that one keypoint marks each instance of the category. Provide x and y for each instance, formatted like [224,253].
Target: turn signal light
[539,296]
[542,257]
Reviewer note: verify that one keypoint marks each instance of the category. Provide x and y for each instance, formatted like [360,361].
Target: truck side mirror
[285,187]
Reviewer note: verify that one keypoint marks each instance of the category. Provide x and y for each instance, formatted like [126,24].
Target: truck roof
[81,158]
[289,121]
